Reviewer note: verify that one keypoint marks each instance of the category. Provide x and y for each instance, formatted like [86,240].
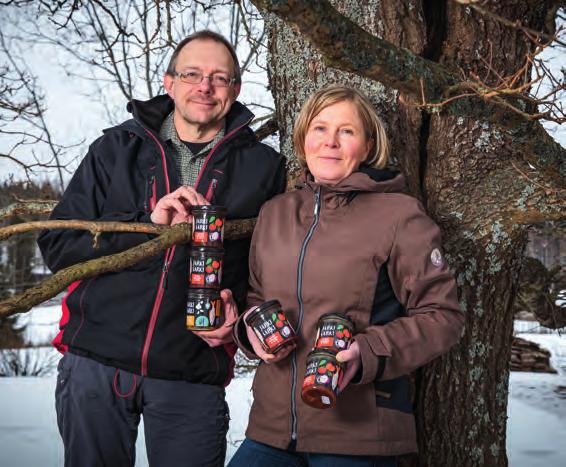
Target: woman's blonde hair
[373,126]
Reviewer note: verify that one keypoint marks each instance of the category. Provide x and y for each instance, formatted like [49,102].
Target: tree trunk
[468,176]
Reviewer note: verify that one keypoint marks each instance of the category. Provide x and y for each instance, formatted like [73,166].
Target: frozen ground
[29,438]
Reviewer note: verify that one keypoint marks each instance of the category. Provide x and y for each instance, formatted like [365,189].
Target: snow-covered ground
[29,438]
[536,430]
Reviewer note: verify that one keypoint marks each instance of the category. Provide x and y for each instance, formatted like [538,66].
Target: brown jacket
[322,249]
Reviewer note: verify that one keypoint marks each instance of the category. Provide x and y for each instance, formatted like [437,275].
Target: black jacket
[135,319]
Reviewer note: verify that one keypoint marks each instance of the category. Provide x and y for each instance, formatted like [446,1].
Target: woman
[348,240]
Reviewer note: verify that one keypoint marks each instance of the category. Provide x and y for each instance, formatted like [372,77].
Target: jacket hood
[365,179]
[151,113]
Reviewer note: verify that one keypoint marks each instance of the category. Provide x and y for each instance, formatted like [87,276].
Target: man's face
[202,104]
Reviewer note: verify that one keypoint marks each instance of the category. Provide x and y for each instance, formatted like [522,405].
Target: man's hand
[174,208]
[258,349]
[223,334]
[353,360]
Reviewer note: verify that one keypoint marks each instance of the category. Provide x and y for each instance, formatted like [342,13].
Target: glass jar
[334,332]
[204,310]
[322,376]
[205,268]
[208,225]
[271,326]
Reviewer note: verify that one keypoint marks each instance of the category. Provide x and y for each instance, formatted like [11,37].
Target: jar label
[273,330]
[207,229]
[203,312]
[205,272]
[322,372]
[333,335]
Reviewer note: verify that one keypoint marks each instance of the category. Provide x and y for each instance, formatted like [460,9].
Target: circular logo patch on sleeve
[436,258]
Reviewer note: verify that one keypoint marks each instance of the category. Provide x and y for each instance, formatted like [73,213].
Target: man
[127,350]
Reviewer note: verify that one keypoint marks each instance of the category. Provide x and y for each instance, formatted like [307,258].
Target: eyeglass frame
[210,77]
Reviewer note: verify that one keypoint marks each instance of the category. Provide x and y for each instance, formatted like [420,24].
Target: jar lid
[322,353]
[204,293]
[209,208]
[260,309]
[335,315]
[210,250]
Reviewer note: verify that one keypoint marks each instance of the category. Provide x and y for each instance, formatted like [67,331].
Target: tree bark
[472,176]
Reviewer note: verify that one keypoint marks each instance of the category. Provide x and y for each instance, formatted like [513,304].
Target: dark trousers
[254,454]
[99,409]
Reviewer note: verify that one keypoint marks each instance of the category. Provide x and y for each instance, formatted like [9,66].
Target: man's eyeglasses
[220,80]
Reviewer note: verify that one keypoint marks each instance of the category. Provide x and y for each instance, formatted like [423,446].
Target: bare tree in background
[116,51]
[27,139]
[123,45]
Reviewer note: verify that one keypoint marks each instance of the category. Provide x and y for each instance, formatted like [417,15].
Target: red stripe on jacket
[58,340]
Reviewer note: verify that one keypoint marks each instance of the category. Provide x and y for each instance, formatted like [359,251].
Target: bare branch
[96,228]
[476,6]
[270,127]
[32,113]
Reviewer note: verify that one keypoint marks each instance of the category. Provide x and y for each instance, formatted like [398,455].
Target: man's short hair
[205,34]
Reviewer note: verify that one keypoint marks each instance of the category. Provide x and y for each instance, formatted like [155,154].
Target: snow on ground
[537,410]
[29,437]
[41,324]
[28,426]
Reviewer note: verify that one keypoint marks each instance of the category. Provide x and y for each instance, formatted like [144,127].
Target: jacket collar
[151,113]
[365,179]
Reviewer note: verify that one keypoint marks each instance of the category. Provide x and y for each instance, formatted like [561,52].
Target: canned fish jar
[334,332]
[205,267]
[271,326]
[208,225]
[204,310]
[322,376]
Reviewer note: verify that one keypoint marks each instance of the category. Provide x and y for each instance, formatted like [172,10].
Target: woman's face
[336,143]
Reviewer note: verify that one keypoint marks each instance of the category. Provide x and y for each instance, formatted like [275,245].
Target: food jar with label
[271,326]
[322,376]
[208,225]
[205,268]
[204,310]
[334,332]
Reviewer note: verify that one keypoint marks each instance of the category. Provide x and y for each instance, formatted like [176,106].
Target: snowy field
[29,437]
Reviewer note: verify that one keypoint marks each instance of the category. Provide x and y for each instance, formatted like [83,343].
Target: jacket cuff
[373,357]
[241,338]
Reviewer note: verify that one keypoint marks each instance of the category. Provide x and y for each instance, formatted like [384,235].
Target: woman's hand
[353,360]
[258,349]
[222,335]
